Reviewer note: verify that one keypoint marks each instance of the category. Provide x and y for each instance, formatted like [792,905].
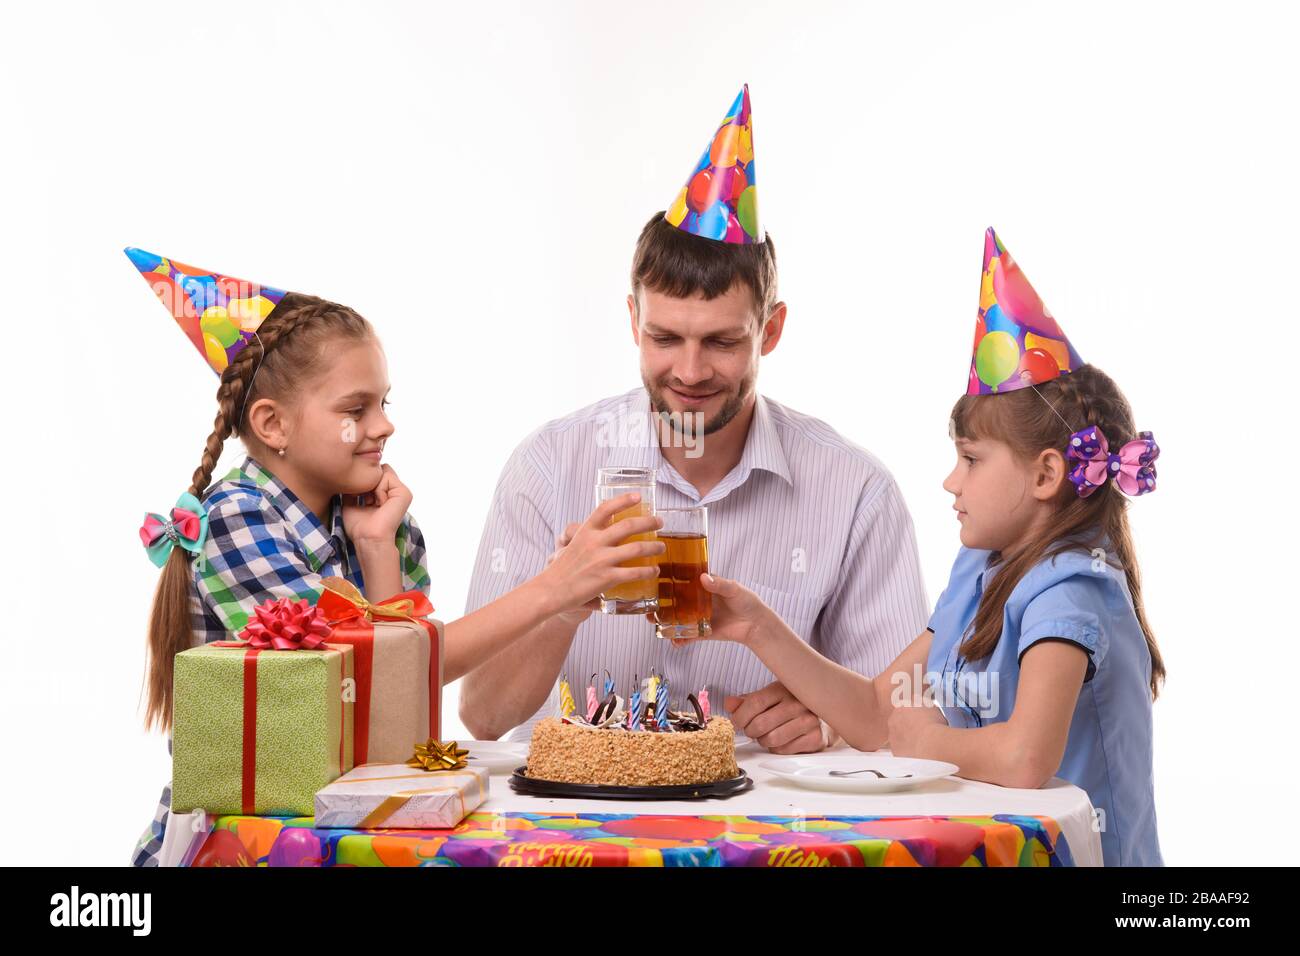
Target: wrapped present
[398,656]
[260,725]
[404,795]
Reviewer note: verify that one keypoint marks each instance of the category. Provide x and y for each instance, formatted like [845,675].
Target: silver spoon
[879,775]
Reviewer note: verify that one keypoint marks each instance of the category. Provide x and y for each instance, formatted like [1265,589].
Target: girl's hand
[738,613]
[909,725]
[587,558]
[579,614]
[376,516]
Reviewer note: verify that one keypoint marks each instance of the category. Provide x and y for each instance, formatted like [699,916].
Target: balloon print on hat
[720,198]
[217,313]
[1017,341]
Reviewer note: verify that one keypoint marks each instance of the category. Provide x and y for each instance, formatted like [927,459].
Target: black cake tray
[520,782]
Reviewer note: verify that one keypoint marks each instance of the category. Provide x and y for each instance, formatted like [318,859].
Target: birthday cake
[637,746]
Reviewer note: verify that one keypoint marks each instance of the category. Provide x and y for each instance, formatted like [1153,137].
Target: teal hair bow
[186,528]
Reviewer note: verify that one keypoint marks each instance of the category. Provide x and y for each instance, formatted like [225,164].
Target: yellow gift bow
[400,605]
[434,755]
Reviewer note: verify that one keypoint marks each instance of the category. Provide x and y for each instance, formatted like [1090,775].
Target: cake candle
[634,714]
[703,698]
[567,705]
[661,705]
[592,702]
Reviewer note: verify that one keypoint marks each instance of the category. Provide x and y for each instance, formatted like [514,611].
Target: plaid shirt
[264,543]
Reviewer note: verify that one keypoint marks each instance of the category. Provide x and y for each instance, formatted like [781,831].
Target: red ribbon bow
[286,625]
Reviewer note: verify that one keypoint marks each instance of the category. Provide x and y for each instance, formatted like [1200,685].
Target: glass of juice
[631,597]
[684,605]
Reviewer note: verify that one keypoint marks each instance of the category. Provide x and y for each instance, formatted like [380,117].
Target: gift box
[259,731]
[398,796]
[398,656]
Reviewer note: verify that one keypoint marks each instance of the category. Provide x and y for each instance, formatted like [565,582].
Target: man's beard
[684,421]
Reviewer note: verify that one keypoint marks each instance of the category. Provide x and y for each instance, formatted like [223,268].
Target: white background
[473,178]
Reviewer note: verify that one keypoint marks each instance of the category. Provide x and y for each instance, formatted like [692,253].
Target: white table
[771,795]
[1063,802]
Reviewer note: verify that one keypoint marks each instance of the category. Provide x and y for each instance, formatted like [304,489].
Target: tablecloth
[953,822]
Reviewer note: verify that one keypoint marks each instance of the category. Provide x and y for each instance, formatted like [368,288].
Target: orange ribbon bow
[342,601]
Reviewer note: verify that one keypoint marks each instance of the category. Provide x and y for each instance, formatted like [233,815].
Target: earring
[281,452]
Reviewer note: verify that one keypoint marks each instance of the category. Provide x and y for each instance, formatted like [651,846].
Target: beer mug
[631,597]
[684,605]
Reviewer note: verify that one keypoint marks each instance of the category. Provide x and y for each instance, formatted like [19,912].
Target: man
[813,523]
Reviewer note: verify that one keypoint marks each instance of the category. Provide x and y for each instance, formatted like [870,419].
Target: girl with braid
[304,386]
[1038,659]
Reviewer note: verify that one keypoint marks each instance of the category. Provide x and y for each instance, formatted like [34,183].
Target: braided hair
[289,349]
[1031,420]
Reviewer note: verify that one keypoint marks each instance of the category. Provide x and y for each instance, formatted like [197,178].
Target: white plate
[813,771]
[499,756]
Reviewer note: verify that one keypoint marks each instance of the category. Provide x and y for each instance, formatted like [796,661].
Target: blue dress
[1079,598]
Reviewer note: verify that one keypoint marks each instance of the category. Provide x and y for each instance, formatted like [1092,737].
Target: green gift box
[259,731]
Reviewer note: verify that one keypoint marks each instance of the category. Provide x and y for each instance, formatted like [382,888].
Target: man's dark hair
[673,262]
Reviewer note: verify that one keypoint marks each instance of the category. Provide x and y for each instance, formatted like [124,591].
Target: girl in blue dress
[1038,660]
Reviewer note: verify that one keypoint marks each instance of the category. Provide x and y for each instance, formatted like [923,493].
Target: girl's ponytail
[271,370]
[170,625]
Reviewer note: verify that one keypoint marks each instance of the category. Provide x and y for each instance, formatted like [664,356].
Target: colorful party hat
[720,199]
[218,313]
[1017,342]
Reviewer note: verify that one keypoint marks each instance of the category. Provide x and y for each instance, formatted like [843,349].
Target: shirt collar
[320,544]
[991,569]
[763,449]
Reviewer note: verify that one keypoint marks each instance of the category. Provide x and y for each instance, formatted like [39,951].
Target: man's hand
[777,720]
[588,560]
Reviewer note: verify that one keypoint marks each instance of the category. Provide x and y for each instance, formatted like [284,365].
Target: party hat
[720,199]
[218,313]
[1017,342]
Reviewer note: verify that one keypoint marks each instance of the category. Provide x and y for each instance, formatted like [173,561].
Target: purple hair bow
[1133,468]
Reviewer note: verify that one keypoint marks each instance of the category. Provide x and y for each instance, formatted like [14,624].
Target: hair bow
[1133,467]
[186,528]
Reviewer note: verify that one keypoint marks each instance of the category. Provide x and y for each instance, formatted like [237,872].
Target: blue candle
[634,715]
[661,705]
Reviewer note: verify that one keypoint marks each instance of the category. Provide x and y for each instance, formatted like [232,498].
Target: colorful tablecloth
[635,839]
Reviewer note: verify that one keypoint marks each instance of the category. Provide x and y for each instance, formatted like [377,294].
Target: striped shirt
[814,524]
[263,543]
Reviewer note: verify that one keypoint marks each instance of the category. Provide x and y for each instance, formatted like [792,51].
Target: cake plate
[520,782]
